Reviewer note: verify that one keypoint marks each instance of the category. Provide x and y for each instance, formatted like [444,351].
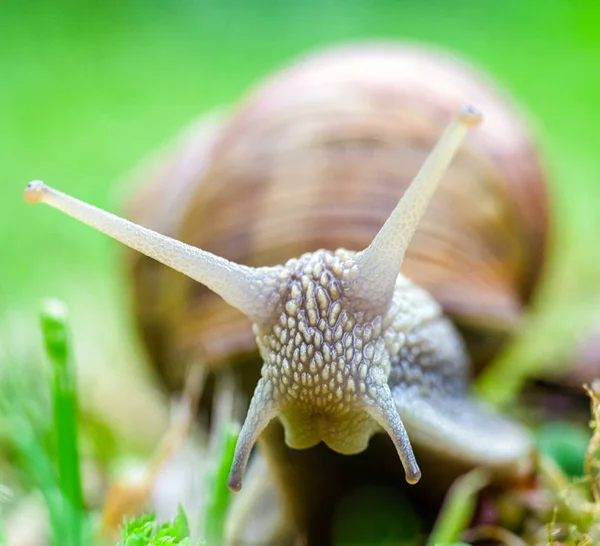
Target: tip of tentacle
[234,483]
[35,192]
[236,473]
[413,475]
[469,115]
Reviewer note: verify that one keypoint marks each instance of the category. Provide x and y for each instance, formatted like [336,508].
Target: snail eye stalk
[379,264]
[245,288]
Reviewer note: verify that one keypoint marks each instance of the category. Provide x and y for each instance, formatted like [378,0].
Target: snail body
[349,346]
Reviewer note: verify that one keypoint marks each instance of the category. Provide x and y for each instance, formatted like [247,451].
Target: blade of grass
[23,434]
[64,393]
[219,495]
[458,508]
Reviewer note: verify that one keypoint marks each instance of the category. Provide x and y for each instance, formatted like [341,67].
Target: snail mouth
[347,434]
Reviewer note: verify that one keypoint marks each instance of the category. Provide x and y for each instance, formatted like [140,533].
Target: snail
[287,211]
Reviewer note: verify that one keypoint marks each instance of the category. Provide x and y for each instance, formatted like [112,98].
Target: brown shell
[317,157]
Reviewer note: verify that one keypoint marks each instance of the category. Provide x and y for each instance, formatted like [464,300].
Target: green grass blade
[219,495]
[22,435]
[64,393]
[458,508]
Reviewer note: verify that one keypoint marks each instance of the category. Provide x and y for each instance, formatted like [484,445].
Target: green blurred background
[89,88]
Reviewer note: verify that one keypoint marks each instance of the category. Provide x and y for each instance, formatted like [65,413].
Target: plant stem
[458,508]
[219,495]
[64,393]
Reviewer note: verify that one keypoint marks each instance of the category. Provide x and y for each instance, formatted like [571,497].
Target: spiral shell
[316,157]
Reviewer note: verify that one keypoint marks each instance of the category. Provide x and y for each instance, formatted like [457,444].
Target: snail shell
[316,157]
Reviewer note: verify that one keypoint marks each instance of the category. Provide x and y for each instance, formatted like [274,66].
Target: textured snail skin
[332,357]
[323,364]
